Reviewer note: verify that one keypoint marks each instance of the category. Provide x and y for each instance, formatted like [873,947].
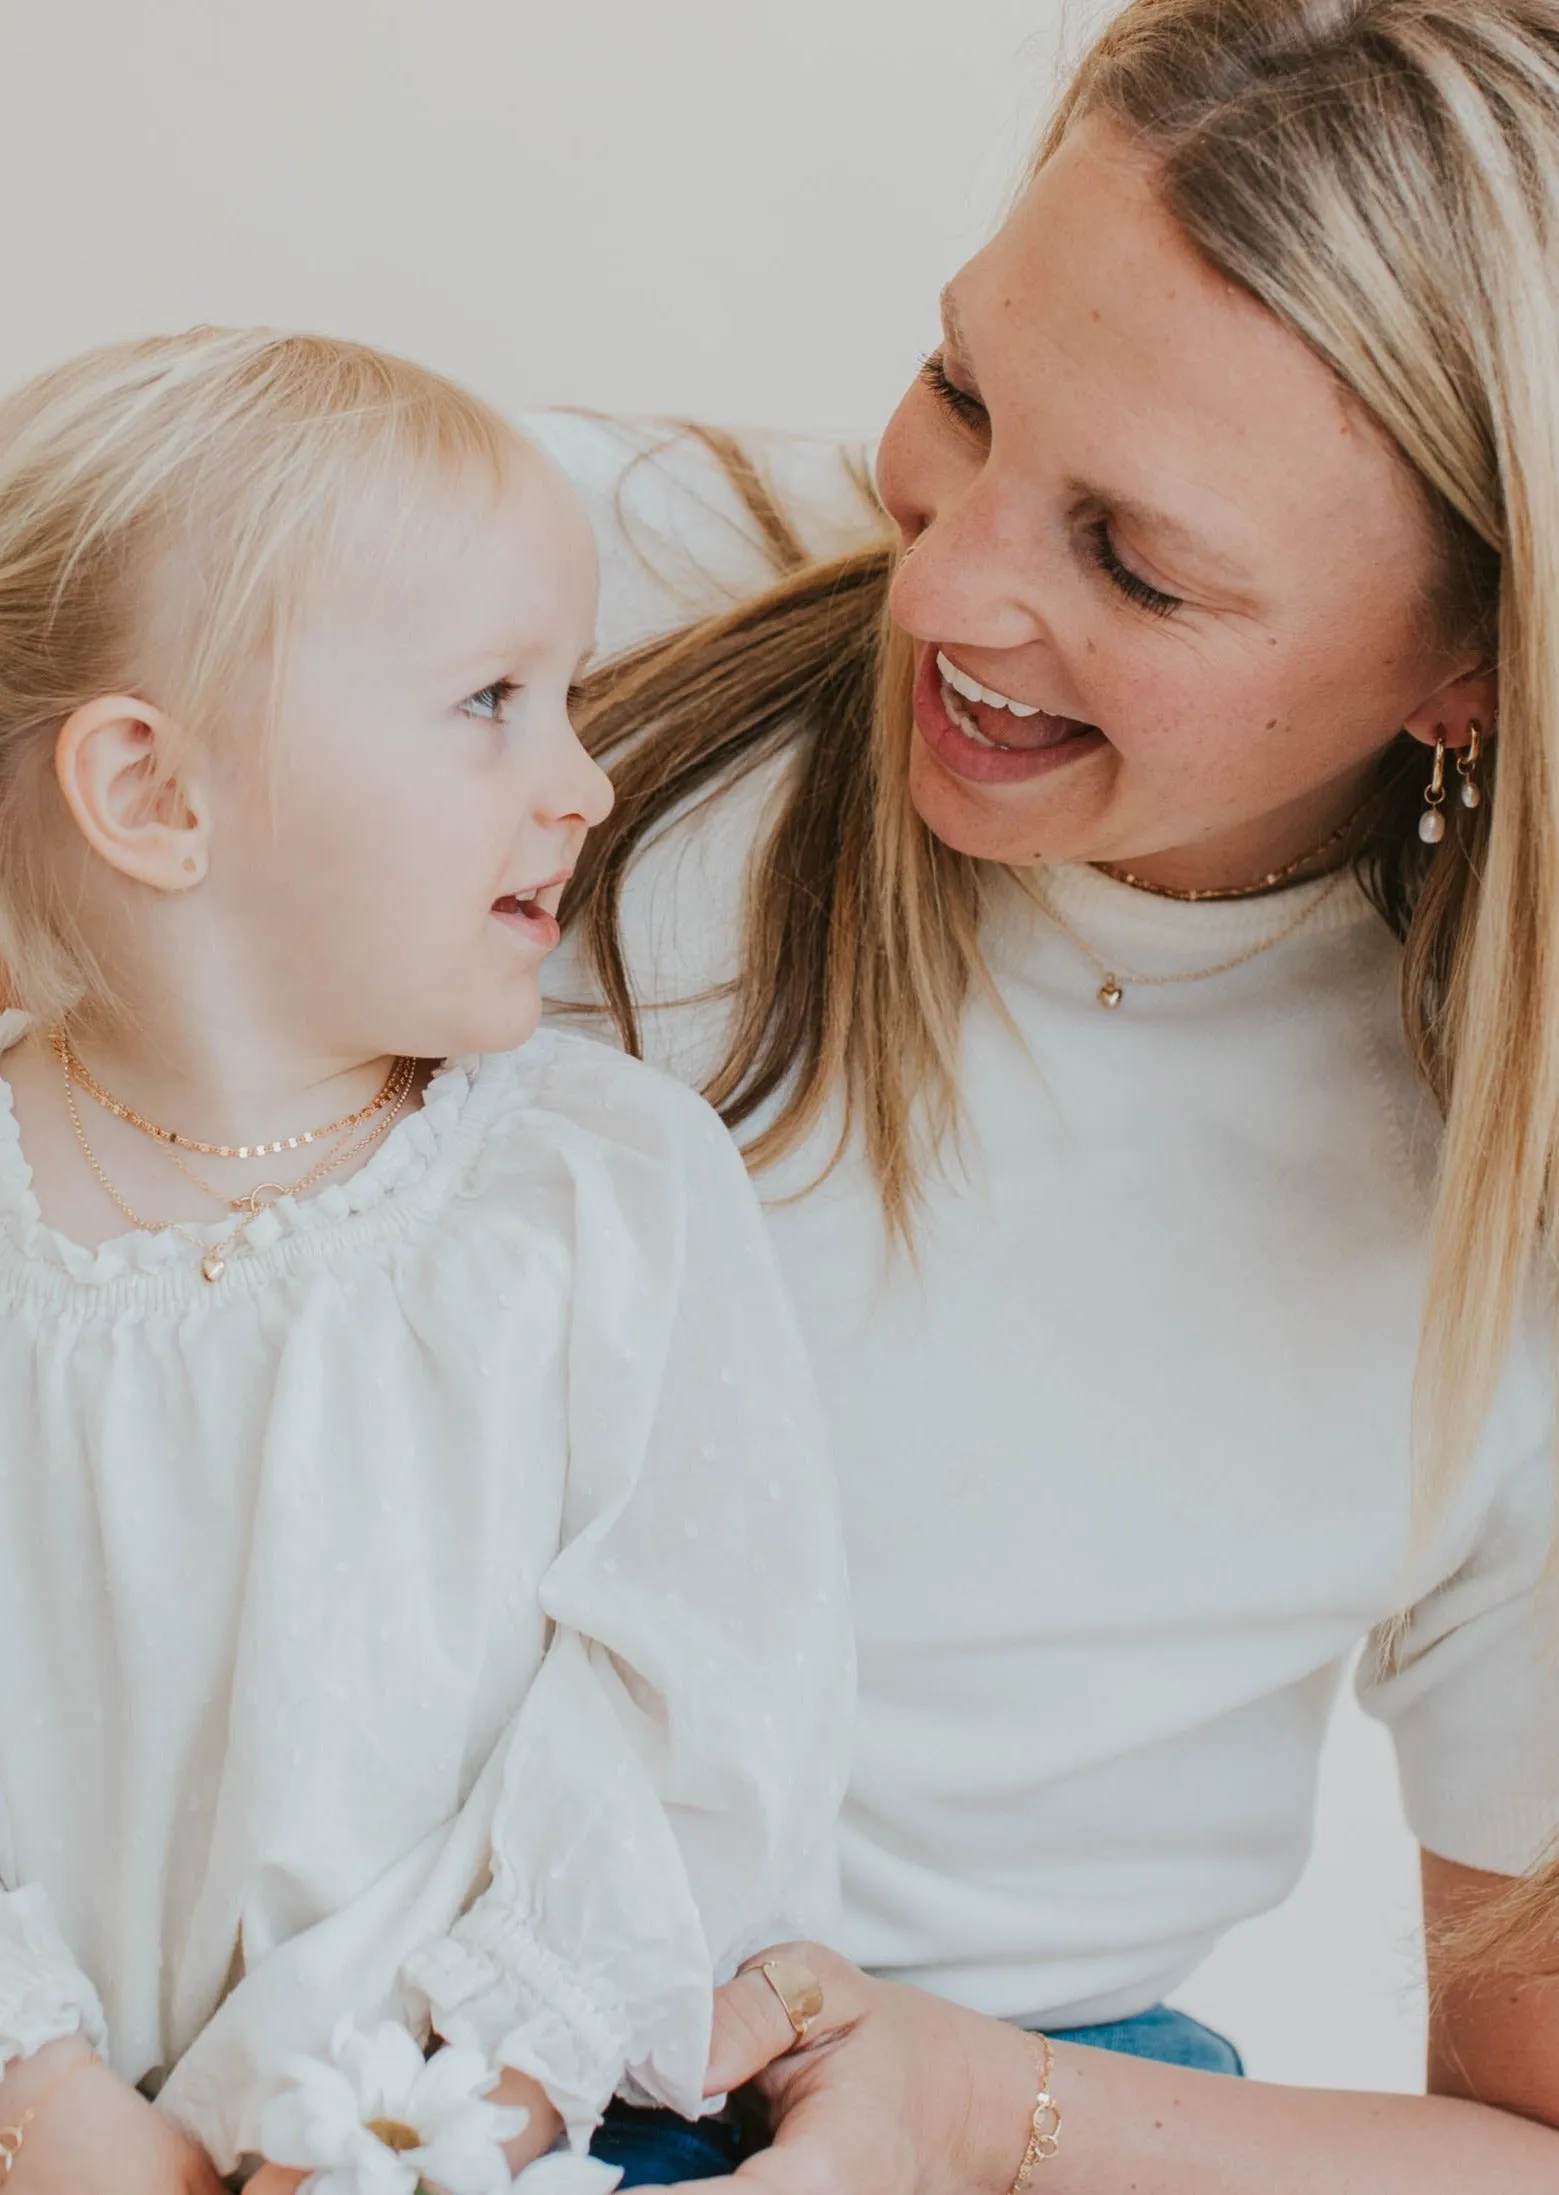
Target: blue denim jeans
[657,2149]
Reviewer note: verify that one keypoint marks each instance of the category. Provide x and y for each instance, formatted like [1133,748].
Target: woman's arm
[902,2094]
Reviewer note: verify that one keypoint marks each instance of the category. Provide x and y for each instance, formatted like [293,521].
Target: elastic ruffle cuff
[44,1995]
[494,1987]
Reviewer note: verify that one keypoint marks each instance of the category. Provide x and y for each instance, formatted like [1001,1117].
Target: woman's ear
[1452,710]
[115,761]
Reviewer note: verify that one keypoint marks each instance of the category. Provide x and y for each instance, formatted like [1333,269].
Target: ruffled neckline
[418,1156]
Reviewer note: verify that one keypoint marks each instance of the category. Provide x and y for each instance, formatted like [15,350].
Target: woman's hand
[893,2093]
[896,2093]
[93,2131]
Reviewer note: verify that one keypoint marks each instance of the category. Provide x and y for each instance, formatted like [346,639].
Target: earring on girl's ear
[1467,766]
[1431,824]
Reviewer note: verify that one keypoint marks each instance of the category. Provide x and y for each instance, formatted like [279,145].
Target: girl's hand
[274,2180]
[94,2132]
[893,2093]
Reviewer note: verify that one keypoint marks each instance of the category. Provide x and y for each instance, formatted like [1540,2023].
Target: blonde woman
[1134,969]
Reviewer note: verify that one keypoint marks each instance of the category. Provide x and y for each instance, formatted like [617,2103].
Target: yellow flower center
[395,2133]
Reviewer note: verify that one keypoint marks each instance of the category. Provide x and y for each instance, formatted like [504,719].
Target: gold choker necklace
[382,1115]
[1267,883]
[110,1104]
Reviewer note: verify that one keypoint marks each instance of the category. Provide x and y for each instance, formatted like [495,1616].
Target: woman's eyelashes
[959,404]
[963,406]
[488,701]
[1103,552]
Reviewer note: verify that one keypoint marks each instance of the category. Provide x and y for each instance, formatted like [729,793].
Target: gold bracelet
[13,2137]
[1045,2126]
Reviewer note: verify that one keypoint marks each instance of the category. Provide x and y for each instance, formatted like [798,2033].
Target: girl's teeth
[972,690]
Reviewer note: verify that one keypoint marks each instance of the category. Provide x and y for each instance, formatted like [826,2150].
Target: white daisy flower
[378,2118]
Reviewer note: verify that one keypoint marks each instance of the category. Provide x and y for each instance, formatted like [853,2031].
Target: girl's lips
[528,919]
[1048,741]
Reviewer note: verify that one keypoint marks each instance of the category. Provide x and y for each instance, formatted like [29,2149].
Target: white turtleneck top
[1125,1455]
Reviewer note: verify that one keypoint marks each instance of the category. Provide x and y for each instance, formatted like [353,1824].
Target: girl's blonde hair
[227,458]
[1383,175]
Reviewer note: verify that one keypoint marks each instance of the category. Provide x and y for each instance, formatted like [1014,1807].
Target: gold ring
[797,1988]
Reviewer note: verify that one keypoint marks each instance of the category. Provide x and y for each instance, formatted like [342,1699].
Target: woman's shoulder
[692,519]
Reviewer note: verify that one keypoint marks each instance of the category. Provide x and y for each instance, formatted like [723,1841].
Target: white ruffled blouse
[441,1616]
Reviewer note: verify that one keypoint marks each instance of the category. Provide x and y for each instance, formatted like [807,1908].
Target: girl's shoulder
[572,1102]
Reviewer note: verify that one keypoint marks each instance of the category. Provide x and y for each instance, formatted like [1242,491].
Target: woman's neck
[1304,841]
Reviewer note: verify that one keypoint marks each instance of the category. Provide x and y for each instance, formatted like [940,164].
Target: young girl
[420,1606]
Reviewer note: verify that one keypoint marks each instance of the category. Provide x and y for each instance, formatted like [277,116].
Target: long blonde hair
[235,454]
[1383,175]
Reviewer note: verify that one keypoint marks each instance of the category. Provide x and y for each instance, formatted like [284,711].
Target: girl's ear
[114,759]
[1450,713]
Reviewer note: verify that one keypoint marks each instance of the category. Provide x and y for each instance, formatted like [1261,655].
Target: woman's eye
[1131,584]
[959,404]
[488,701]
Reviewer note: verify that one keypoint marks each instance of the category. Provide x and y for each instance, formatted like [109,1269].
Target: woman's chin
[1017,824]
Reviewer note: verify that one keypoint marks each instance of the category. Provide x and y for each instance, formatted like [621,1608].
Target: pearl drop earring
[1467,766]
[1431,824]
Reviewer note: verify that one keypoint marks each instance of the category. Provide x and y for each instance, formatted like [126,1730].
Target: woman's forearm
[1129,2124]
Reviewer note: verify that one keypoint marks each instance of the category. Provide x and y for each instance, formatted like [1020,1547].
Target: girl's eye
[1132,586]
[488,701]
[959,404]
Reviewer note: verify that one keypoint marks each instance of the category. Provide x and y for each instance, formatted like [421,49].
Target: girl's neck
[222,1084]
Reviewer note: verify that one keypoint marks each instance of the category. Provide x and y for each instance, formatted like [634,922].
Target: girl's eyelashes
[959,404]
[488,701]
[1136,589]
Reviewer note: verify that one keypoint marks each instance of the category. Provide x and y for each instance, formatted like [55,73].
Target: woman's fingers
[750,2031]
[751,2025]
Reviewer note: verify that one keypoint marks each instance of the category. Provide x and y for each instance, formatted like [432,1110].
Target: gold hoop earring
[1431,824]
[1467,766]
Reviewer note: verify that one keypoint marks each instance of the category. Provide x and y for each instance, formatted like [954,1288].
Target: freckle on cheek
[1272,724]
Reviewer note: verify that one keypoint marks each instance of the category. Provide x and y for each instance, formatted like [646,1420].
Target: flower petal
[384,2067]
[316,2122]
[449,2084]
[562,2173]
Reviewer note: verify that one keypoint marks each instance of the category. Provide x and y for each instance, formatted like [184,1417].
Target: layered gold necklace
[1254,889]
[379,1115]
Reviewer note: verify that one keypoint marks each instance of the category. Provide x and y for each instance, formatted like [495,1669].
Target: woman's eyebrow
[1172,532]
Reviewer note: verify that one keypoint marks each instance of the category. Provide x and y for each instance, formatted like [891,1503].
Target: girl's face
[388,873]
[1136,505]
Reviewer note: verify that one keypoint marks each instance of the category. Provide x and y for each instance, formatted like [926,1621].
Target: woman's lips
[1029,746]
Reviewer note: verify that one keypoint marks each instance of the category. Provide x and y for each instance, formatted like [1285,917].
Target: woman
[1088,966]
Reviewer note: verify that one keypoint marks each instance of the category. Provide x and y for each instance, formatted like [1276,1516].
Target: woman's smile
[992,740]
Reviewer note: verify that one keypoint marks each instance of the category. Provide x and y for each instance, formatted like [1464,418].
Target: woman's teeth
[972,690]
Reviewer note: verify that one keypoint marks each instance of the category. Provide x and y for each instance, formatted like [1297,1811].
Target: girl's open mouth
[525,914]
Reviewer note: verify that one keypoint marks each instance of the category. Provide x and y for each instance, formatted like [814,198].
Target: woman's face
[1136,505]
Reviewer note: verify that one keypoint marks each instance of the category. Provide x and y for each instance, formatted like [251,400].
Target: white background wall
[735,208]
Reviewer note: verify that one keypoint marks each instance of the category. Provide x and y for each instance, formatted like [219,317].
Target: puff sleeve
[43,1992]
[669,1789]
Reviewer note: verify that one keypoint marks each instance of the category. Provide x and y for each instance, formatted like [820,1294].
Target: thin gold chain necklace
[1113,982]
[110,1104]
[214,1256]
[1266,883]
